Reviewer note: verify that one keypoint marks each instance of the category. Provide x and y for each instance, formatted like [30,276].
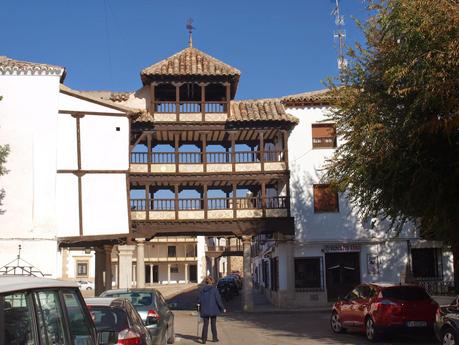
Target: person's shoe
[203,341]
[216,340]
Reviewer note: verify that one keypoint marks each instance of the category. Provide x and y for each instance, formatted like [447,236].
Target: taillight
[154,314]
[128,337]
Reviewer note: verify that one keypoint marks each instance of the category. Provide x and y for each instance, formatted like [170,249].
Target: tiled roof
[190,61]
[9,66]
[318,97]
[259,110]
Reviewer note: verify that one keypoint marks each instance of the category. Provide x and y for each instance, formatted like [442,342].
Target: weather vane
[190,28]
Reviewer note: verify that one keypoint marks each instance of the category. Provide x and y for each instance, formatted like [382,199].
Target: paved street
[272,327]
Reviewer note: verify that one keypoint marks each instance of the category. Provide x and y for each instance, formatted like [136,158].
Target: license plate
[416,324]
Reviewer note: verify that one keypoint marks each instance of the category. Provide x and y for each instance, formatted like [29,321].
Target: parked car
[237,279]
[227,288]
[153,309]
[378,309]
[447,323]
[85,285]
[43,311]
[118,316]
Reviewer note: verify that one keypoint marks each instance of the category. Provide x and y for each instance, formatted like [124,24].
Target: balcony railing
[242,203]
[211,157]
[169,107]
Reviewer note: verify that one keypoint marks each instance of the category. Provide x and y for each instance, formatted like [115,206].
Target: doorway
[193,273]
[342,273]
[151,274]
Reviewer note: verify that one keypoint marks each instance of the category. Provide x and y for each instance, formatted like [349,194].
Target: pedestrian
[211,306]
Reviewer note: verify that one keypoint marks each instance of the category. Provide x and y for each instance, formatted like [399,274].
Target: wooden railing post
[177,101]
[176,147]
[152,99]
[285,144]
[149,151]
[203,100]
[147,201]
[261,149]
[176,202]
[234,201]
[228,98]
[287,198]
[263,198]
[204,150]
[205,200]
[233,150]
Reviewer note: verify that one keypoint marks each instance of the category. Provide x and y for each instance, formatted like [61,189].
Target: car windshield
[137,299]
[405,293]
[108,318]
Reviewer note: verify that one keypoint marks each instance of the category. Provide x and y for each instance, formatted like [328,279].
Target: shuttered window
[323,135]
[325,200]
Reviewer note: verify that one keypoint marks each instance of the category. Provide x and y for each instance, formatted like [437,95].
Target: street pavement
[270,326]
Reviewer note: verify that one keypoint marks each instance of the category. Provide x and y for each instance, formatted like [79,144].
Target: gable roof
[190,62]
[10,66]
[317,97]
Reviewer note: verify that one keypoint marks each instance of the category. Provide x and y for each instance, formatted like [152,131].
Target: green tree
[4,150]
[398,112]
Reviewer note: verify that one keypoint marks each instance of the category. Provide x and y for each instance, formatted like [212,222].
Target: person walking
[210,306]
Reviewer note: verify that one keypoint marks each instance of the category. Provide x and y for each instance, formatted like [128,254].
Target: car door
[346,308]
[138,325]
[164,311]
[361,304]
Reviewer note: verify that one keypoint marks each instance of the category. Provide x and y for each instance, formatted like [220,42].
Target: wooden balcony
[210,162]
[190,111]
[209,208]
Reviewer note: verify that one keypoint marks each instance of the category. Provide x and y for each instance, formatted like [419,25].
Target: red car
[377,309]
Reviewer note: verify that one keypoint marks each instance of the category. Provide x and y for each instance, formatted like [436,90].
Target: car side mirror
[107,337]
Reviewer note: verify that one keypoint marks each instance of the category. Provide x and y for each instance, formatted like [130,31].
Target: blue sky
[281,47]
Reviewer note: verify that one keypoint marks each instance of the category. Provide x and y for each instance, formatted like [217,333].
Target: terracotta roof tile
[318,97]
[190,61]
[9,66]
[259,110]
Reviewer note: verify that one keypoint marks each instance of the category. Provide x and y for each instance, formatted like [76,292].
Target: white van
[36,311]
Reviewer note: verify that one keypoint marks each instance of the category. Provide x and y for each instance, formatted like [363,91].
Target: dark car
[227,288]
[447,323]
[118,317]
[153,309]
[377,309]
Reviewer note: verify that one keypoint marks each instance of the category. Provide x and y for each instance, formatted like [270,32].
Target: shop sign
[342,248]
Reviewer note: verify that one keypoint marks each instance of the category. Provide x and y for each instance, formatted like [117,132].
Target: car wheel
[171,336]
[370,330]
[448,337]
[335,323]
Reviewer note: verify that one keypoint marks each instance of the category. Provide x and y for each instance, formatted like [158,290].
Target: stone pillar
[108,266]
[247,293]
[125,254]
[99,274]
[186,274]
[168,273]
[140,267]
[212,268]
[65,263]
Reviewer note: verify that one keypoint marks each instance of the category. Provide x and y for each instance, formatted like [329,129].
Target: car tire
[448,337]
[171,336]
[371,331]
[335,323]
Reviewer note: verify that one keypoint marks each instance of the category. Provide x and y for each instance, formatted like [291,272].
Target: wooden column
[176,201]
[152,98]
[203,101]
[177,154]
[147,202]
[149,135]
[287,199]
[177,101]
[206,205]
[285,137]
[204,150]
[233,150]
[263,198]
[261,149]
[228,98]
[234,201]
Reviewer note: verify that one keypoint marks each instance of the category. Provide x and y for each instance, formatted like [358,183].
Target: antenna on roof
[339,35]
[190,28]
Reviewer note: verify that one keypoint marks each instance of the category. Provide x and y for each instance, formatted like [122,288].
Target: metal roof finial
[190,28]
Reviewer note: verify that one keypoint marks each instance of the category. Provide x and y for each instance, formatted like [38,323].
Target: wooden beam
[228,98]
[233,151]
[285,143]
[206,206]
[203,101]
[234,201]
[263,198]
[177,101]
[204,150]
[147,201]
[176,148]
[149,135]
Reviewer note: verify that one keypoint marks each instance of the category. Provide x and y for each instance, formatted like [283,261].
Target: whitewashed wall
[28,124]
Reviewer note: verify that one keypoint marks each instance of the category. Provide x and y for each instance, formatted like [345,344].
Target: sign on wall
[342,248]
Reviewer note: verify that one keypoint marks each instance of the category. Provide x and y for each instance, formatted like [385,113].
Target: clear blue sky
[281,47]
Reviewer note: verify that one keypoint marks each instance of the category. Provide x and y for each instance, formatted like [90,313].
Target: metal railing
[437,287]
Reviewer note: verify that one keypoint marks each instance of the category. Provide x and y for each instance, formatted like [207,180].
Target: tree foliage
[397,109]
[4,150]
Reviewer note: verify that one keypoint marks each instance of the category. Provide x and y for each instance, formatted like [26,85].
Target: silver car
[153,309]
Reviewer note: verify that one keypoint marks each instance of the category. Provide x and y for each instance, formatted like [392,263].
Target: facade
[334,249]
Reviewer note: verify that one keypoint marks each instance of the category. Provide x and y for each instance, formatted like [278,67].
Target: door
[193,273]
[342,273]
[361,304]
[347,307]
[155,274]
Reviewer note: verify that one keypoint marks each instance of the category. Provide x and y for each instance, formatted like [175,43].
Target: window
[174,269]
[309,273]
[50,318]
[323,135]
[427,263]
[171,251]
[80,329]
[82,269]
[325,200]
[17,319]
[191,251]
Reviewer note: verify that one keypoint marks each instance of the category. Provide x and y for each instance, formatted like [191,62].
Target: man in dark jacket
[211,306]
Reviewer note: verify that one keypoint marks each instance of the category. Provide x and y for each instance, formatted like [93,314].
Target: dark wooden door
[342,273]
[193,273]
[155,274]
